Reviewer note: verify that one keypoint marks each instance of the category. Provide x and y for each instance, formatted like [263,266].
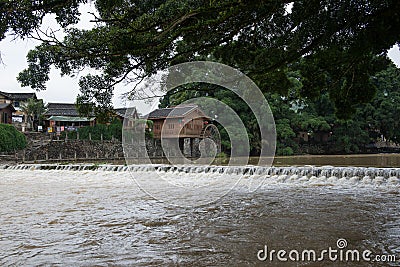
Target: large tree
[346,41]
[23,17]
[315,116]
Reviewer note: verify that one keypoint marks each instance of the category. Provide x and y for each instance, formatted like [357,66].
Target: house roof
[122,112]
[5,105]
[68,109]
[178,112]
[68,118]
[19,96]
[61,106]
[62,112]
[62,109]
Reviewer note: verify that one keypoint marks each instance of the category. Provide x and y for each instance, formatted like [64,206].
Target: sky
[65,89]
[59,89]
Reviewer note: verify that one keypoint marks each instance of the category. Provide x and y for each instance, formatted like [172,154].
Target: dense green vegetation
[346,41]
[34,110]
[322,65]
[11,139]
[314,117]
[97,132]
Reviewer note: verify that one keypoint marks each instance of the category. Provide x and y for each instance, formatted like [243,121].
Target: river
[73,216]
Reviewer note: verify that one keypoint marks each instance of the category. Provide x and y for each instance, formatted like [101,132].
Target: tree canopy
[373,122]
[22,17]
[336,46]
[34,111]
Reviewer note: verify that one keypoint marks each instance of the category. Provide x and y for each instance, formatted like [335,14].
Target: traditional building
[126,113]
[65,116]
[17,100]
[179,122]
[185,123]
[6,111]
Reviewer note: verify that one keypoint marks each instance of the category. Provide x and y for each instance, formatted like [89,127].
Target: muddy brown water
[103,218]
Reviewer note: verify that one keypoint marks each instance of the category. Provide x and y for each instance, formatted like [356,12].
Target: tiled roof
[61,106]
[19,96]
[62,112]
[164,112]
[70,119]
[67,109]
[5,105]
[62,109]
[122,112]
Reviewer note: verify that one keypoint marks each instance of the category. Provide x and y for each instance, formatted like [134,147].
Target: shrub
[287,151]
[11,139]
[108,132]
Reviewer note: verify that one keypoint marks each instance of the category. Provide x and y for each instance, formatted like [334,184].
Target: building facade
[178,122]
[61,117]
[6,113]
[17,100]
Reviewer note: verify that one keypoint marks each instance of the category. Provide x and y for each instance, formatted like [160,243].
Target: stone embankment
[44,147]
[47,148]
[74,150]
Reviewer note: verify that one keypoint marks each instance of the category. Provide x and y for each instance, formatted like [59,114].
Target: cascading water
[327,175]
[247,170]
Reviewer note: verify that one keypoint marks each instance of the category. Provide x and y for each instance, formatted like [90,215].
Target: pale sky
[64,89]
[59,89]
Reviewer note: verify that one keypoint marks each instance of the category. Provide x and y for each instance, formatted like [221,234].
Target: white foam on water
[206,176]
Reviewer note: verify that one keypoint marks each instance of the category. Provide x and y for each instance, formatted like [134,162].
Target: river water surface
[102,218]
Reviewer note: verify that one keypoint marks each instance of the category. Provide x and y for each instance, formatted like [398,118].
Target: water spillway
[281,173]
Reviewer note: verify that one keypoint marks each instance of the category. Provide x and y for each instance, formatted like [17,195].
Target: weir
[289,172]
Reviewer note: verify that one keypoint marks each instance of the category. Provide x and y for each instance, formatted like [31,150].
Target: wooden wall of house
[6,115]
[193,128]
[178,127]
[157,126]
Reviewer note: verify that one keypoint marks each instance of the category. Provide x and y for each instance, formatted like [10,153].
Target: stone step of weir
[309,171]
